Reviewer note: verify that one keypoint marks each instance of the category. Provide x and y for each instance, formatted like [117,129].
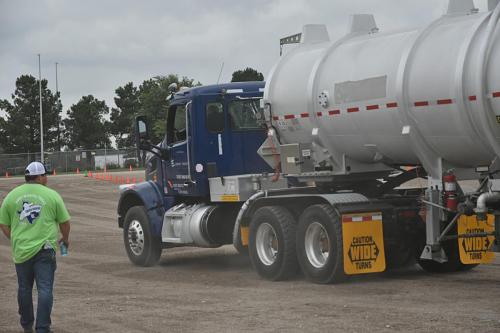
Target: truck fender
[145,194]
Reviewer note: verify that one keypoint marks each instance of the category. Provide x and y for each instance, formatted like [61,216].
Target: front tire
[319,245]
[272,243]
[143,248]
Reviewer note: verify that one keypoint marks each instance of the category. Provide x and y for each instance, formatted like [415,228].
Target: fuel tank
[395,98]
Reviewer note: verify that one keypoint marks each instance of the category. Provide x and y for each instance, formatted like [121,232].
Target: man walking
[31,216]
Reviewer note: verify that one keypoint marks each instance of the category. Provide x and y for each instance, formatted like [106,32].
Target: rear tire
[319,245]
[272,243]
[143,248]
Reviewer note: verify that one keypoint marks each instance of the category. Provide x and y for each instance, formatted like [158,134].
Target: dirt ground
[215,290]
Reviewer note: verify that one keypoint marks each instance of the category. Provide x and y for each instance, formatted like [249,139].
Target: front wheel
[272,243]
[319,245]
[143,248]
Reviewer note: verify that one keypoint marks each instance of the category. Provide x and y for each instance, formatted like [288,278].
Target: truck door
[245,134]
[217,159]
[177,174]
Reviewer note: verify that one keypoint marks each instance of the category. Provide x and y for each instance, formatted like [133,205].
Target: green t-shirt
[33,212]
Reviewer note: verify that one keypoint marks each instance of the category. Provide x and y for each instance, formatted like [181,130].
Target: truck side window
[243,115]
[215,117]
[176,127]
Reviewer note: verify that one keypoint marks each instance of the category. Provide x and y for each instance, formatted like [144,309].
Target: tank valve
[450,191]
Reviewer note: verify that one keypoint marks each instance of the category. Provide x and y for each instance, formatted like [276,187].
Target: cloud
[101,45]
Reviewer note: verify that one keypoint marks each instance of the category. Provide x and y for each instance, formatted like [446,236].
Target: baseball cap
[35,169]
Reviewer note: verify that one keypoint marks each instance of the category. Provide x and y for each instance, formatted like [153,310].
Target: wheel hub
[266,244]
[135,235]
[317,245]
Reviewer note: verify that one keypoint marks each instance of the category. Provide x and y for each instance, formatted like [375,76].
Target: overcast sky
[101,45]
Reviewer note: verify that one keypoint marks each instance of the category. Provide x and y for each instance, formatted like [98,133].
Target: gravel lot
[215,290]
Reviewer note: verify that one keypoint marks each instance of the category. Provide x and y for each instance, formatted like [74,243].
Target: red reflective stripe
[333,112]
[289,116]
[444,101]
[304,115]
[319,114]
[422,103]
[372,107]
[392,105]
[473,98]
[353,110]
[347,219]
[496,94]
[276,118]
[367,218]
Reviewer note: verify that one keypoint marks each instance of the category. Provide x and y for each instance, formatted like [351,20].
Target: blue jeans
[40,268]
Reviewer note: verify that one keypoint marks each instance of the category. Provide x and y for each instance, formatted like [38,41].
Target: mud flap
[363,243]
[477,249]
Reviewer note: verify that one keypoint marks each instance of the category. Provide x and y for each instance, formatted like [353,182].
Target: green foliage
[153,95]
[248,74]
[20,131]
[85,125]
[122,117]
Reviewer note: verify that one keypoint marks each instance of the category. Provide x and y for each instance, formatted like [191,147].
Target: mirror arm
[148,146]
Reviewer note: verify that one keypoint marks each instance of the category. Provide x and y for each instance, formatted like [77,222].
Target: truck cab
[211,132]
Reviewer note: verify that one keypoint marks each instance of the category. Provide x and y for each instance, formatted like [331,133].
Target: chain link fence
[71,161]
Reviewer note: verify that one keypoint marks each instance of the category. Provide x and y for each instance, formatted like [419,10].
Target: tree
[153,102]
[85,125]
[122,117]
[248,74]
[20,131]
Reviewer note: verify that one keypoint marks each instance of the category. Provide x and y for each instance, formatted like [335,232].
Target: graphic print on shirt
[29,212]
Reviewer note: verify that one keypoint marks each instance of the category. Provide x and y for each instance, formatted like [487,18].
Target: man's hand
[5,230]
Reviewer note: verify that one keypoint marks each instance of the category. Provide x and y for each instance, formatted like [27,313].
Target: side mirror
[141,128]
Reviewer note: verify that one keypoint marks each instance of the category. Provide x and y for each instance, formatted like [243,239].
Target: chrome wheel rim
[317,245]
[135,236]
[266,243]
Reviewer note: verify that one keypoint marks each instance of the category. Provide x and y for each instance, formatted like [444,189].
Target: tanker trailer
[342,127]
[351,120]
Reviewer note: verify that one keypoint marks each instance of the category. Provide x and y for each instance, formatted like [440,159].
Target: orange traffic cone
[77,171]
[128,180]
[134,180]
[6,174]
[140,180]
[54,172]
[90,174]
[122,181]
[130,168]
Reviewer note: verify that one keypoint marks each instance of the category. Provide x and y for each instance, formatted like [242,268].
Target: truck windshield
[244,115]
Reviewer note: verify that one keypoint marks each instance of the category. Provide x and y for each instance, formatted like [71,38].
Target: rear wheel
[143,248]
[272,243]
[319,245]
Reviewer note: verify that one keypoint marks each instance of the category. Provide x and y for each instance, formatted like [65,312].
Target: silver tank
[397,98]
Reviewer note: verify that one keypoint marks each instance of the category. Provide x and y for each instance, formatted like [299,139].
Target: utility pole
[57,88]
[41,112]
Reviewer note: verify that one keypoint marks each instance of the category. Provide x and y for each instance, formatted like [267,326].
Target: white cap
[35,169]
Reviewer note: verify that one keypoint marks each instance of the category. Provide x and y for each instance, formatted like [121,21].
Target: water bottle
[63,248]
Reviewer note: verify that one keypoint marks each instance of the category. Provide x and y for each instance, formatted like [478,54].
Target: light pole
[57,88]
[41,112]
